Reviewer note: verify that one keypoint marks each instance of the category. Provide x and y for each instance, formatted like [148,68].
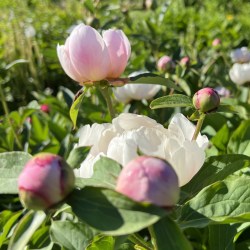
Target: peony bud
[165,63]
[149,179]
[87,56]
[45,181]
[45,108]
[206,100]
[185,61]
[216,42]
[240,55]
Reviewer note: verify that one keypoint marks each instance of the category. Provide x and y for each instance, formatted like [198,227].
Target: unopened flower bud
[45,181]
[206,100]
[45,108]
[216,42]
[149,179]
[185,61]
[165,63]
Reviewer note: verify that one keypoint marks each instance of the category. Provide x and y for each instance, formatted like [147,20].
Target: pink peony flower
[87,56]
[45,108]
[149,179]
[45,180]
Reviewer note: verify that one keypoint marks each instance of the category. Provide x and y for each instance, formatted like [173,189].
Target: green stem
[198,127]
[106,95]
[153,237]
[6,111]
[137,239]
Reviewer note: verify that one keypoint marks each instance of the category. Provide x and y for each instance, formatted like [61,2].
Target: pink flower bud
[185,61]
[149,179]
[165,63]
[216,42]
[87,56]
[45,108]
[206,100]
[45,181]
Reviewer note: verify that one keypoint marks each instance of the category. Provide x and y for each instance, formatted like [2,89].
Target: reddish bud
[206,100]
[45,181]
[185,61]
[45,108]
[165,63]
[149,179]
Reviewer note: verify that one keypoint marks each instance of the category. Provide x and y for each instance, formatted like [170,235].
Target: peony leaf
[77,156]
[216,168]
[149,78]
[71,235]
[105,174]
[239,142]
[11,165]
[102,242]
[111,212]
[74,109]
[224,202]
[167,233]
[171,101]
[25,229]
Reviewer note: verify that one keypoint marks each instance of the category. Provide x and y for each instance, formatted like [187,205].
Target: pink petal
[88,53]
[119,51]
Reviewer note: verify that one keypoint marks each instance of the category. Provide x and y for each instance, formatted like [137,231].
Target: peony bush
[144,144]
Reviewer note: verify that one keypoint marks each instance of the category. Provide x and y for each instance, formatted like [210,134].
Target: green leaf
[239,142]
[77,156]
[221,138]
[149,78]
[171,101]
[73,236]
[167,233]
[228,108]
[8,219]
[222,236]
[106,172]
[216,168]
[111,212]
[11,165]
[25,229]
[102,242]
[74,109]
[225,201]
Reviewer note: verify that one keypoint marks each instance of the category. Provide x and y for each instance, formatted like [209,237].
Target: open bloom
[240,55]
[240,73]
[87,56]
[136,91]
[130,132]
[45,180]
[149,179]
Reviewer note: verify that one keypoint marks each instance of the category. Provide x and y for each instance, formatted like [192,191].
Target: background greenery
[31,75]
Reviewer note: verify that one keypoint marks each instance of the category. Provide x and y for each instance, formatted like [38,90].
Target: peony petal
[119,51]
[122,94]
[88,53]
[66,64]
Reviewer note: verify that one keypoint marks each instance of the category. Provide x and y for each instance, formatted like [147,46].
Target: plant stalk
[6,112]
[198,127]
[106,95]
[136,239]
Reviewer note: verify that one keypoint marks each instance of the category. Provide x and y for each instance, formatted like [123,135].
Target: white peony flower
[130,132]
[240,55]
[132,91]
[240,73]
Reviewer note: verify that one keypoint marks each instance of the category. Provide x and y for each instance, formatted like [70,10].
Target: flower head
[149,179]
[216,42]
[87,56]
[132,91]
[240,73]
[45,180]
[130,132]
[165,63]
[240,55]
[206,100]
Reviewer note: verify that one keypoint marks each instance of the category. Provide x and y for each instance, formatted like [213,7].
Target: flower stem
[137,239]
[198,126]
[106,95]
[153,238]
[6,111]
